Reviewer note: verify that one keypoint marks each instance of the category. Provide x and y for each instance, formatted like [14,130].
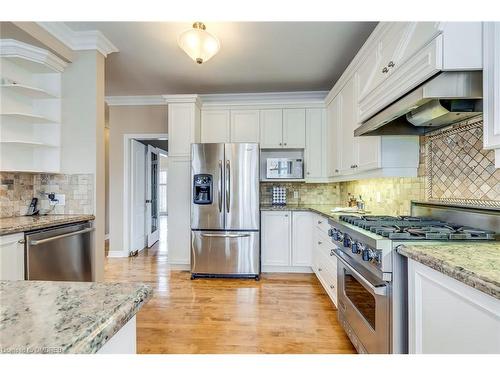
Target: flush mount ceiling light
[198,43]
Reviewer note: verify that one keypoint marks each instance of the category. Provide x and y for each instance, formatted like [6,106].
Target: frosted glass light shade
[198,43]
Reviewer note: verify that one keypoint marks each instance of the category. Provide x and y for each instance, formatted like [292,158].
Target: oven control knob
[367,255]
[331,232]
[347,241]
[357,247]
[338,236]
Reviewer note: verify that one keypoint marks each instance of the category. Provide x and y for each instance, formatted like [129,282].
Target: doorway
[146,196]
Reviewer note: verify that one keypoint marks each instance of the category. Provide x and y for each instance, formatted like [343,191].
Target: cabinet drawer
[327,277]
[423,65]
[321,223]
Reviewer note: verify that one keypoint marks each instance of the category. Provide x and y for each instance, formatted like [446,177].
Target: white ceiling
[254,56]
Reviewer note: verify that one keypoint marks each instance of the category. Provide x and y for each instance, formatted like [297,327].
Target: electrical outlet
[295,194]
[61,200]
[378,197]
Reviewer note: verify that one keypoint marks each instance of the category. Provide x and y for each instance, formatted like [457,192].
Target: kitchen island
[69,317]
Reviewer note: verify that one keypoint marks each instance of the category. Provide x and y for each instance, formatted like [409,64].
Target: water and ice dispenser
[203,189]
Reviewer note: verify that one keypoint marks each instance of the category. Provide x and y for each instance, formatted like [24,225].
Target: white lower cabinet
[286,241]
[325,262]
[447,316]
[275,238]
[12,257]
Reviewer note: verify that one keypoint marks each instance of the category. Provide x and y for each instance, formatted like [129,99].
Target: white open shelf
[29,91]
[27,117]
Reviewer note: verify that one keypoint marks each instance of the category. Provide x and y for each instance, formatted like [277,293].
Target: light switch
[295,194]
[378,197]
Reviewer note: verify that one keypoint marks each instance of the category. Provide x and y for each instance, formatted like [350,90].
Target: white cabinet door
[448,317]
[179,210]
[314,151]
[245,125]
[348,123]
[183,128]
[302,238]
[491,88]
[333,139]
[215,126]
[271,128]
[275,238]
[294,128]
[12,257]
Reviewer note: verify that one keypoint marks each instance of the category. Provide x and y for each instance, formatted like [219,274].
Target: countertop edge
[458,273]
[105,330]
[56,222]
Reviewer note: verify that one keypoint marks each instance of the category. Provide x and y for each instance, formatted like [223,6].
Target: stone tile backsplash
[17,189]
[307,193]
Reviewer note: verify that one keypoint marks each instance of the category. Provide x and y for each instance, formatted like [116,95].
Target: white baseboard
[180,266]
[287,269]
[117,254]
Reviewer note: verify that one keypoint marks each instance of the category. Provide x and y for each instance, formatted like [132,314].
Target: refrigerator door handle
[220,186]
[228,185]
[225,235]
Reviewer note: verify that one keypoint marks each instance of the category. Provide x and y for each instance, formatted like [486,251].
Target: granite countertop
[321,209]
[475,263]
[65,317]
[18,224]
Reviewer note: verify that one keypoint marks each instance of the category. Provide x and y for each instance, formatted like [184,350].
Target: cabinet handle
[385,70]
[285,144]
[21,241]
[281,144]
[320,269]
[332,253]
[332,286]
[320,222]
[391,64]
[319,242]
[336,171]
[286,215]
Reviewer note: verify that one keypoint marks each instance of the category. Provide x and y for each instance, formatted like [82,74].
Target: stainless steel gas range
[372,276]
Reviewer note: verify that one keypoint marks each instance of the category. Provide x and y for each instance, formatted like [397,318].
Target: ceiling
[254,56]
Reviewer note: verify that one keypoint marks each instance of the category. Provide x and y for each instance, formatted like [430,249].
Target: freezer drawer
[60,254]
[225,253]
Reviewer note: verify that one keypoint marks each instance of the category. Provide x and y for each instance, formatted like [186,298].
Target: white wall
[82,134]
[127,120]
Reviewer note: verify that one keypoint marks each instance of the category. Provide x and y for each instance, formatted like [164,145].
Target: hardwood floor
[282,313]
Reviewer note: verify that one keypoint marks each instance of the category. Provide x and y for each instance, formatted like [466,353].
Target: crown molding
[183,98]
[11,48]
[266,98]
[135,100]
[79,40]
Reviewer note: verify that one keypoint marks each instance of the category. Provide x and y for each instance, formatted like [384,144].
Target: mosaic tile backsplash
[17,189]
[458,169]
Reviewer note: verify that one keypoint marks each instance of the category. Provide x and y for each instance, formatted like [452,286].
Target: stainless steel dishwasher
[62,253]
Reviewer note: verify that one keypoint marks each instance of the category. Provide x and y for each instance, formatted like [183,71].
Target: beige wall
[126,120]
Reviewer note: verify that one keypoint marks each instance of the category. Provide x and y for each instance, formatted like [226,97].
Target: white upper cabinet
[333,139]
[491,88]
[215,126]
[315,150]
[245,125]
[294,128]
[348,147]
[283,128]
[271,128]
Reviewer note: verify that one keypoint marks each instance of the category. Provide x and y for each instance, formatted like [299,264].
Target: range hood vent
[445,99]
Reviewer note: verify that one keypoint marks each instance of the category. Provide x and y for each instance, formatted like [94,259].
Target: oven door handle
[378,290]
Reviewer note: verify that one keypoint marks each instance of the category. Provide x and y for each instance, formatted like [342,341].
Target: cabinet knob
[332,286]
[320,269]
[286,215]
[21,241]
[285,144]
[336,171]
[320,222]
[332,252]
[391,64]
[281,144]
[385,70]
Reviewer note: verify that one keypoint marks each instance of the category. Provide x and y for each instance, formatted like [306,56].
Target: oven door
[364,304]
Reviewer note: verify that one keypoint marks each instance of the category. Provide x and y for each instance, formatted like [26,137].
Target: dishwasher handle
[45,240]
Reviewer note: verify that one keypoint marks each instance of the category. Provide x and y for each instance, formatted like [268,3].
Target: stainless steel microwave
[284,168]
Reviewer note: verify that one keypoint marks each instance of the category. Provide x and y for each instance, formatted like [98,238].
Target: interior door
[138,196]
[242,186]
[152,203]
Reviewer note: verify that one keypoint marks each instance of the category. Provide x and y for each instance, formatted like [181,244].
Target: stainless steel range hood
[445,99]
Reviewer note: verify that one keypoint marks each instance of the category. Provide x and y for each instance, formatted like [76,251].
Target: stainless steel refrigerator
[225,220]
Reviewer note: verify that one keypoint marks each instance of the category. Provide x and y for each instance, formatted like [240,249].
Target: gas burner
[411,227]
